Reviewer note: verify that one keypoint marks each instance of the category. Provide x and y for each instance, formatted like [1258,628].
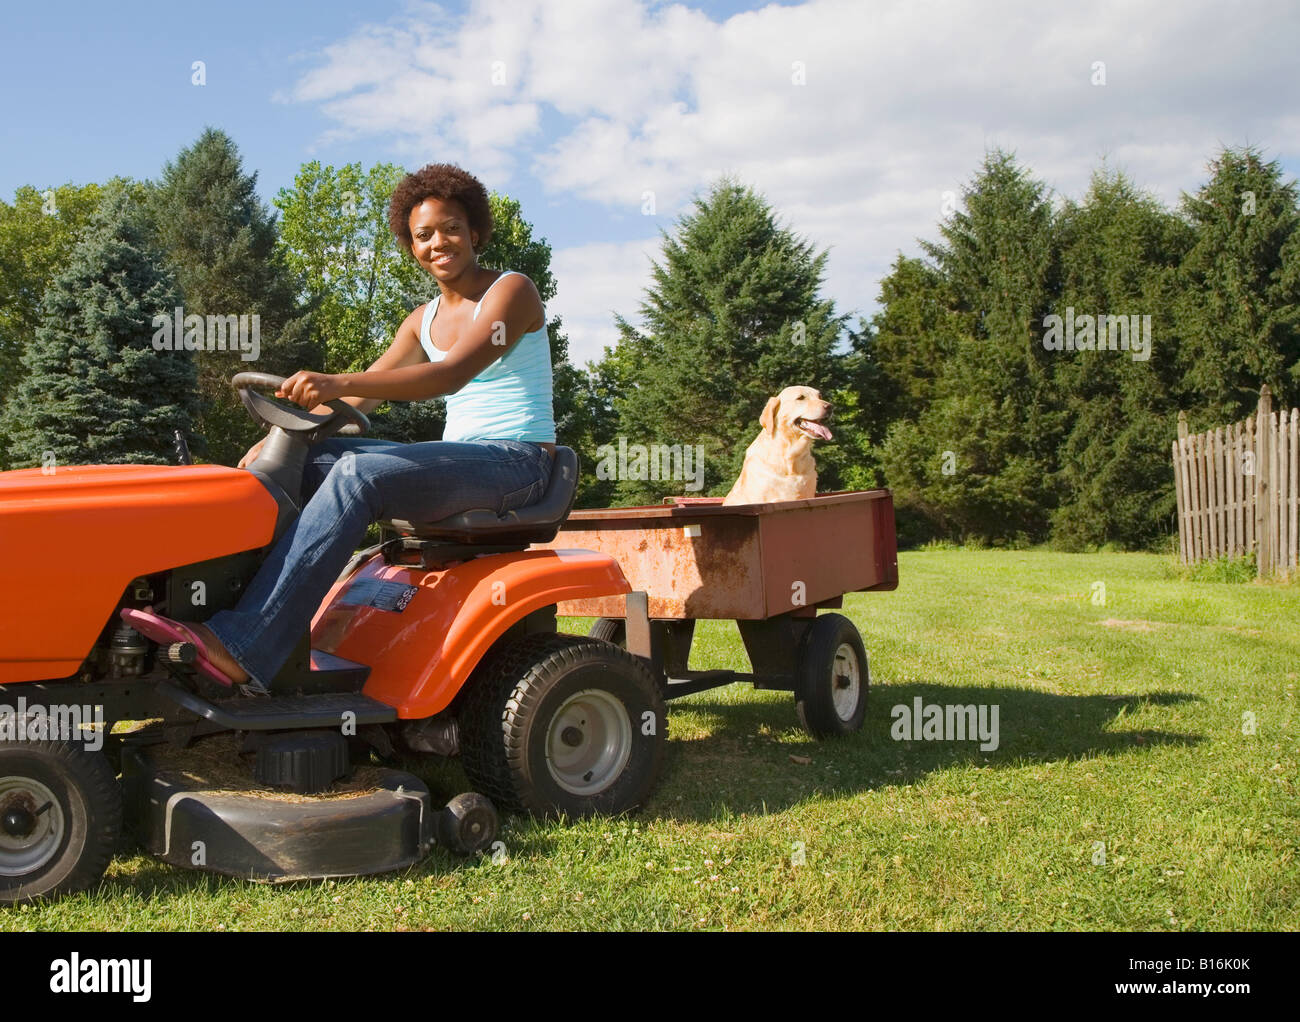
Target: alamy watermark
[57,723]
[934,723]
[179,332]
[77,975]
[1098,333]
[652,461]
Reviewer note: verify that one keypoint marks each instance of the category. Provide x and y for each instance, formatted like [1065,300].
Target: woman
[483,343]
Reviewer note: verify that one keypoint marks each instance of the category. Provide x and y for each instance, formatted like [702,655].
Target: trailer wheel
[60,818]
[832,678]
[610,629]
[563,725]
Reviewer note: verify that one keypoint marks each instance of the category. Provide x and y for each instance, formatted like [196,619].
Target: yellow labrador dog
[779,463]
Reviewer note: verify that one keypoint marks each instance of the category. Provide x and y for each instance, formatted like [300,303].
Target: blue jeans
[385,480]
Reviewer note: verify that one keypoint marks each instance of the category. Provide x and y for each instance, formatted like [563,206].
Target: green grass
[1220,569]
[1121,723]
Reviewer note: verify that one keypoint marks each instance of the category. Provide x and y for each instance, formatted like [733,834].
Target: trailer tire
[610,629]
[60,818]
[563,725]
[832,678]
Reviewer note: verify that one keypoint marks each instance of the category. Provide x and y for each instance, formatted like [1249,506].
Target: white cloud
[592,283]
[900,103]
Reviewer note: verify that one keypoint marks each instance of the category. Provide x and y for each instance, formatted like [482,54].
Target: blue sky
[595,103]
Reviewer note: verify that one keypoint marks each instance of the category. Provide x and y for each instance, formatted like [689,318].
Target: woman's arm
[504,317]
[404,351]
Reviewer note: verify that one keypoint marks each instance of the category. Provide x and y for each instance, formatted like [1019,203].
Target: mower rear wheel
[563,725]
[60,818]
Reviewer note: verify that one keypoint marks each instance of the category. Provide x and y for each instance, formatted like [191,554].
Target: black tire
[64,843]
[829,696]
[596,758]
[468,824]
[610,629]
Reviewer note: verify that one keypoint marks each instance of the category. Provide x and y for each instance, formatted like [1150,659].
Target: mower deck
[244,834]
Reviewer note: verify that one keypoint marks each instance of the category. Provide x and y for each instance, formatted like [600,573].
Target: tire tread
[812,700]
[92,774]
[496,712]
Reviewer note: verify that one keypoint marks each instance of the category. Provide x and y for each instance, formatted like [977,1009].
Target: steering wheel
[296,421]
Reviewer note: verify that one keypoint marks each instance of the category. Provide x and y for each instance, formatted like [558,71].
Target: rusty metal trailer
[769,568]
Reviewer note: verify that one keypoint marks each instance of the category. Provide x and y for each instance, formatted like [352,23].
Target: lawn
[1145,778]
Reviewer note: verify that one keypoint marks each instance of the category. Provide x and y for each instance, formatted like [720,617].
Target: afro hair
[443,181]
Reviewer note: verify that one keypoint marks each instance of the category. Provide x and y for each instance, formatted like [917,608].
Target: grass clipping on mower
[218,767]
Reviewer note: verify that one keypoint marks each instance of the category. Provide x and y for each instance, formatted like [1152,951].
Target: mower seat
[535,523]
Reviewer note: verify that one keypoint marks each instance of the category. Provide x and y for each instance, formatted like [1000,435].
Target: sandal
[165,631]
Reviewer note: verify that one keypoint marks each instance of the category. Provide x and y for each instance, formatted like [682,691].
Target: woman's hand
[252,454]
[311,389]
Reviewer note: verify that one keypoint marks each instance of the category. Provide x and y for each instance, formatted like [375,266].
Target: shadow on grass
[737,768]
[743,765]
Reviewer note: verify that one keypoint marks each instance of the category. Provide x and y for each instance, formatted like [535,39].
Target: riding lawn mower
[440,641]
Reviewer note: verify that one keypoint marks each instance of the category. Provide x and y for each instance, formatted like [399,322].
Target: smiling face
[441,239]
[798,413]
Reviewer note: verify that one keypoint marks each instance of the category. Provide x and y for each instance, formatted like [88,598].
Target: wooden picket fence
[1237,489]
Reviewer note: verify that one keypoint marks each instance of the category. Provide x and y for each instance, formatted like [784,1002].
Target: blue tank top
[510,399]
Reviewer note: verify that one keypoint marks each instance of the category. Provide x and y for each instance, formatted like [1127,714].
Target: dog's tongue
[817,429]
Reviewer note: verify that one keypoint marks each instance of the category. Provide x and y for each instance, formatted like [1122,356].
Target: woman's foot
[217,653]
[213,661]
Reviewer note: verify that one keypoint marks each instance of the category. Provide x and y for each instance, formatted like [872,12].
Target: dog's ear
[768,419]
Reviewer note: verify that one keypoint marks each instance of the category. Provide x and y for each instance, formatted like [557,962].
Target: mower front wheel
[60,818]
[564,725]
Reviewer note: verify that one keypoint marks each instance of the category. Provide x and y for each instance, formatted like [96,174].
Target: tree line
[988,390]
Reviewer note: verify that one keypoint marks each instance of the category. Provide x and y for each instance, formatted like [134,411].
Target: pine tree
[912,336]
[861,414]
[220,241]
[978,459]
[733,317]
[1120,251]
[906,347]
[94,388]
[1239,315]
[37,234]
